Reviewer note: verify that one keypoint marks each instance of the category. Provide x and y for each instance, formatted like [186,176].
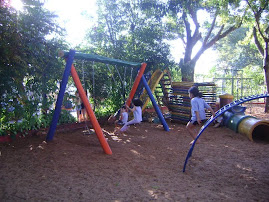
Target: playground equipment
[158,111]
[158,77]
[220,112]
[70,56]
[255,129]
[152,83]
[164,90]
[180,102]
[225,99]
[175,95]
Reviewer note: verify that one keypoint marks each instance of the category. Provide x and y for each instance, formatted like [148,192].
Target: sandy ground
[146,164]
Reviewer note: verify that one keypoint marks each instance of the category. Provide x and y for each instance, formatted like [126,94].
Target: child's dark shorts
[196,123]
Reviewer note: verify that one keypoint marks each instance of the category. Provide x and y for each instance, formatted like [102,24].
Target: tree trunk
[266,76]
[265,55]
[187,70]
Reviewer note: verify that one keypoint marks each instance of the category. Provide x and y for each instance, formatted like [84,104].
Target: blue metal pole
[60,98]
[158,111]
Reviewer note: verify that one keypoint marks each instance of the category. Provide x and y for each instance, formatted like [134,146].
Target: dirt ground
[146,165]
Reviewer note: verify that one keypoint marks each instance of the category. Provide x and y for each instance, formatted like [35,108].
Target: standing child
[198,115]
[137,111]
[78,106]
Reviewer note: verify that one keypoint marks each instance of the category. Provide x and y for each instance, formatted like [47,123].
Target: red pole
[136,83]
[90,112]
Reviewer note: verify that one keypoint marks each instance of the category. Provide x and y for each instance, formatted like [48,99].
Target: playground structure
[255,129]
[158,77]
[179,104]
[220,112]
[234,117]
[70,56]
[163,91]
[249,125]
[175,96]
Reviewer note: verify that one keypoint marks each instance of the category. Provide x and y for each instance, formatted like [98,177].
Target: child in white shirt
[198,115]
[123,116]
[137,111]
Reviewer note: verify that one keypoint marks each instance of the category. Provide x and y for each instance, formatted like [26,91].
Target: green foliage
[175,74]
[236,52]
[240,83]
[126,31]
[256,73]
[34,123]
[29,67]
[130,31]
[66,117]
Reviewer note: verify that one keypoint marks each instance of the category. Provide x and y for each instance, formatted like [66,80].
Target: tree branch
[187,25]
[196,35]
[228,31]
[257,16]
[257,42]
[189,44]
[211,29]
[110,31]
[218,37]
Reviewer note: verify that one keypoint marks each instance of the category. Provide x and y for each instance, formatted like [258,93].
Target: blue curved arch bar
[218,113]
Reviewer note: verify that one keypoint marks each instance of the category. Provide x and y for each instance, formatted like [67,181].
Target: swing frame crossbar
[98,58]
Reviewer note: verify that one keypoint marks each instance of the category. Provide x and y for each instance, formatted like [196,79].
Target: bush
[66,117]
[34,123]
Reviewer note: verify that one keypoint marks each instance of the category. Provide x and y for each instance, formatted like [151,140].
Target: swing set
[69,68]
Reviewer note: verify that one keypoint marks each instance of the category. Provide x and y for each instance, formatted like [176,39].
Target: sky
[74,17]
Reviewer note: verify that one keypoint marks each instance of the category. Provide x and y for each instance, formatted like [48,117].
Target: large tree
[259,9]
[188,20]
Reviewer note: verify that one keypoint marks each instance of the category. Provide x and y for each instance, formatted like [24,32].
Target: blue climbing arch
[218,113]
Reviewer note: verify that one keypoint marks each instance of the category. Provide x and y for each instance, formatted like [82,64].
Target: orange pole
[90,112]
[136,83]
